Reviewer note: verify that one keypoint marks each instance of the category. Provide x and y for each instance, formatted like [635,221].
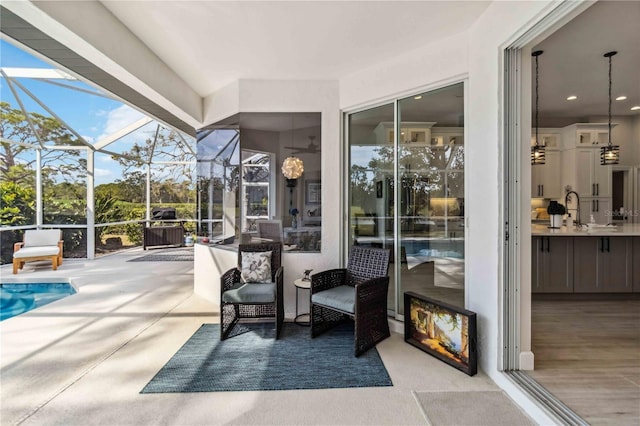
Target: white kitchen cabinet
[444,136]
[592,137]
[545,178]
[586,135]
[550,138]
[592,178]
[411,133]
[599,207]
[584,174]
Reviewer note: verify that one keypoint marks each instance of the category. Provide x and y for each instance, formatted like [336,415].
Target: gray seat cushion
[250,293]
[342,297]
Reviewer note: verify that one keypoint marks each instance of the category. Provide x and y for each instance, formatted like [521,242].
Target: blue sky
[93,117]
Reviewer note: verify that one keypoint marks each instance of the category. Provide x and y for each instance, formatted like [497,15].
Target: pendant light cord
[536,54]
[537,100]
[610,100]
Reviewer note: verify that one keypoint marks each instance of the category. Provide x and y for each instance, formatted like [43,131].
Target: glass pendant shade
[292,167]
[610,154]
[537,154]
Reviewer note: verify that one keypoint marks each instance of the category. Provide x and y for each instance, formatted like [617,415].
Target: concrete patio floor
[84,359]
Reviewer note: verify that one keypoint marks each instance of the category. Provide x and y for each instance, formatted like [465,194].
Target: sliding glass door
[406,191]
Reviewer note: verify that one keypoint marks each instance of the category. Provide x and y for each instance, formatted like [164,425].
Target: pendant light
[537,151]
[610,154]
[292,167]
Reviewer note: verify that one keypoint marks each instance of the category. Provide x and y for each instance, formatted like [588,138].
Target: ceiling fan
[312,148]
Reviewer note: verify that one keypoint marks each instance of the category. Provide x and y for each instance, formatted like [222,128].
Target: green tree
[161,145]
[106,210]
[15,127]
[18,204]
[133,187]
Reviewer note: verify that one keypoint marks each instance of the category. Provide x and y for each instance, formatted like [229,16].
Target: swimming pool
[16,299]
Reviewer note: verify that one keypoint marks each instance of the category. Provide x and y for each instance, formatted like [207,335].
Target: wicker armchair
[252,300]
[358,292]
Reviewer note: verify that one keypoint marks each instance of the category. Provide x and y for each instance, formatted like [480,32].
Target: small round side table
[305,285]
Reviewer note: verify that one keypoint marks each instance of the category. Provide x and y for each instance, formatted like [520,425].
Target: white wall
[431,66]
[477,55]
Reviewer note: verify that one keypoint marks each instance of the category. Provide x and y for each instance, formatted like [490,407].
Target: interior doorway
[532,341]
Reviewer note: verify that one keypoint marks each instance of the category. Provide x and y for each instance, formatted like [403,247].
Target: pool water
[16,299]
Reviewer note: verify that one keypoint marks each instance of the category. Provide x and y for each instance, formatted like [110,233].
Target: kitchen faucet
[566,203]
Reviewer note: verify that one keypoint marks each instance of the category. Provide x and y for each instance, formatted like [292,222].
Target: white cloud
[89,139]
[118,119]
[105,159]
[102,173]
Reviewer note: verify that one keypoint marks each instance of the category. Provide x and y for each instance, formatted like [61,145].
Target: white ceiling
[212,43]
[573,64]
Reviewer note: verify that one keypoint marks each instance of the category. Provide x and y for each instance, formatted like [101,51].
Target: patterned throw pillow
[256,267]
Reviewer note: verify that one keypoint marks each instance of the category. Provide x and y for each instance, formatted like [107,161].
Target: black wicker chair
[358,292]
[238,300]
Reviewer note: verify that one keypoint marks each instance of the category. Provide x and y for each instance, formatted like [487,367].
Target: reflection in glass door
[431,216]
[408,191]
[371,172]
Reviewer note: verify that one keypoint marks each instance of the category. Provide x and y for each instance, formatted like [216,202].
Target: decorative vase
[294,222]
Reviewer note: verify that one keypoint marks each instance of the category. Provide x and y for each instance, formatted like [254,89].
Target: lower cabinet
[552,264]
[585,264]
[602,264]
[636,265]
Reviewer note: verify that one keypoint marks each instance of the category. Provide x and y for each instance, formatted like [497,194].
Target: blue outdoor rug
[254,360]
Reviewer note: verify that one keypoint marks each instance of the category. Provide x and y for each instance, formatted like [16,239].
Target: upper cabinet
[581,161]
[584,135]
[546,178]
[411,132]
[592,178]
[547,137]
[443,136]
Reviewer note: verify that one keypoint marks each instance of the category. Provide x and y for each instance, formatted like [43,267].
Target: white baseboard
[526,361]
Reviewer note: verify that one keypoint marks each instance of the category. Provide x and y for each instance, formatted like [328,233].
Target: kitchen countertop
[619,230]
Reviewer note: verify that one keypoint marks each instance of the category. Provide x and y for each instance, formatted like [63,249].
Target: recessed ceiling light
[417,97]
[635,108]
[572,98]
[621,98]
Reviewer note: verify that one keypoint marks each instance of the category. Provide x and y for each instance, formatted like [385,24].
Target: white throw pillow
[256,267]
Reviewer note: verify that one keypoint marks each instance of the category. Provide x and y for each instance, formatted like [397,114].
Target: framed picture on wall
[312,191]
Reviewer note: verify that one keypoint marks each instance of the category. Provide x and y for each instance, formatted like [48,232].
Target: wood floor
[587,353]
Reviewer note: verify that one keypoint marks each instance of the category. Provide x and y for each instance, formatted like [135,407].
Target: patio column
[148,194]
[39,206]
[91,218]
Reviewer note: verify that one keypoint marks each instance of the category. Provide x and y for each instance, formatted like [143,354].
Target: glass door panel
[406,189]
[371,182]
[431,199]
